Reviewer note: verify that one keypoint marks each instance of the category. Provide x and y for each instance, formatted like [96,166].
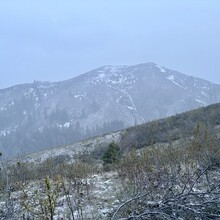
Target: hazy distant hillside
[179,127]
[40,115]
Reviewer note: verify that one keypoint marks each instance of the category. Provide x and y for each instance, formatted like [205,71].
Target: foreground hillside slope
[164,169]
[41,115]
[179,127]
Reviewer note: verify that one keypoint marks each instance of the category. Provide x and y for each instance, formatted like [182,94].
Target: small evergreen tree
[111,155]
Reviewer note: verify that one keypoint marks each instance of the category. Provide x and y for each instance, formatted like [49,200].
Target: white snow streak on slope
[204,103]
[171,78]
[129,107]
[31,90]
[130,98]
[161,69]
[119,80]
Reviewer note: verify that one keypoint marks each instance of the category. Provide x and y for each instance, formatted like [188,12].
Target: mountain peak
[109,98]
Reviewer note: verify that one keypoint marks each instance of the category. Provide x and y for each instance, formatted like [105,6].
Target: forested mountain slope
[42,114]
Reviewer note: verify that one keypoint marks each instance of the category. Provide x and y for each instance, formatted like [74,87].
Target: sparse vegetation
[40,187]
[177,127]
[172,182]
[175,179]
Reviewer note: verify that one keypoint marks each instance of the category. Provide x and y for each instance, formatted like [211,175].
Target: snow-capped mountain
[42,114]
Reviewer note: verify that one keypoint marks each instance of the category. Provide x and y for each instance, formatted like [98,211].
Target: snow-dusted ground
[98,204]
[72,150]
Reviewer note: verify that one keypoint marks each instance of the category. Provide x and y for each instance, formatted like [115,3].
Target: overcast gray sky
[53,40]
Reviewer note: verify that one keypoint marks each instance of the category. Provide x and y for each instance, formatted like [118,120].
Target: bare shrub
[171,182]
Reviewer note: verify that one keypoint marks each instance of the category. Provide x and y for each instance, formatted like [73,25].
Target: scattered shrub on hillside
[111,155]
[172,181]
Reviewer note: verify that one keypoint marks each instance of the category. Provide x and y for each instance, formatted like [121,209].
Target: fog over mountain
[55,40]
[43,114]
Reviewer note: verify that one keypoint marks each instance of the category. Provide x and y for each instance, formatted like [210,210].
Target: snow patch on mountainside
[113,76]
[161,69]
[3,108]
[4,133]
[31,94]
[124,93]
[7,106]
[8,131]
[80,95]
[204,103]
[172,79]
[206,87]
[204,94]
[114,69]
[28,92]
[11,104]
